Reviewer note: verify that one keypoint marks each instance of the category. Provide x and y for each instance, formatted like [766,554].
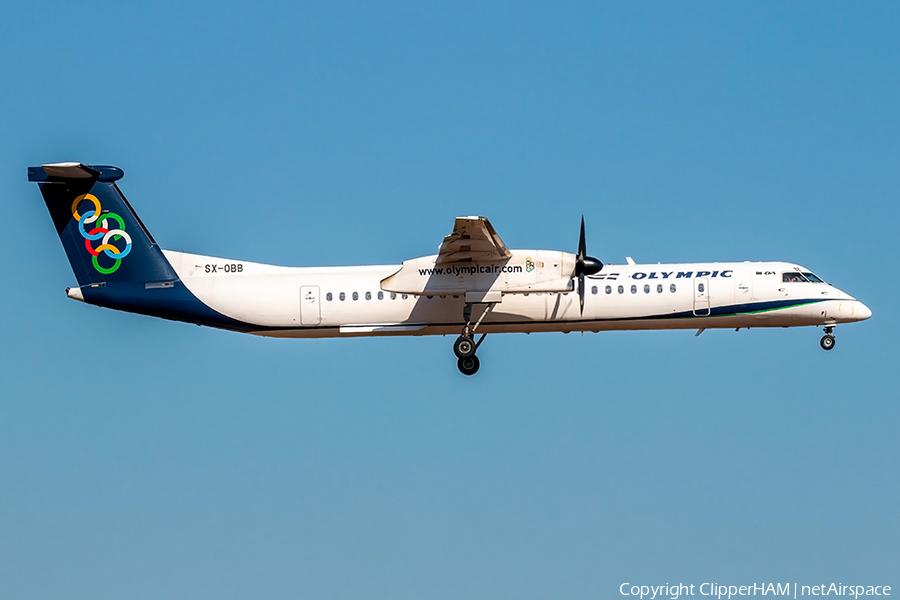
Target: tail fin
[101,234]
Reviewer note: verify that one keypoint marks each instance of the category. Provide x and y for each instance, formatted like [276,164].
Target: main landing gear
[465,345]
[827,341]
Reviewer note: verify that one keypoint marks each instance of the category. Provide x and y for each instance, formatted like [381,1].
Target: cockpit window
[812,278]
[792,277]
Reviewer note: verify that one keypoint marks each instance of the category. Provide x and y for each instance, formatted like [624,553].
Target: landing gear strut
[827,341]
[465,346]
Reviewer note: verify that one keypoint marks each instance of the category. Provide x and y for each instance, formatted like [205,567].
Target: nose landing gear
[827,341]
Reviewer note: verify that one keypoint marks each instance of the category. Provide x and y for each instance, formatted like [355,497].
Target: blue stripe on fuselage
[167,300]
[733,309]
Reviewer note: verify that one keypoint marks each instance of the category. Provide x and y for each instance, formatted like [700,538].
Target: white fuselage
[353,301]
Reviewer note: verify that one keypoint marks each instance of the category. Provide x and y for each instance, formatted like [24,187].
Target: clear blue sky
[146,459]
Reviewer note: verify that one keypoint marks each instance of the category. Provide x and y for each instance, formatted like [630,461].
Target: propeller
[584,265]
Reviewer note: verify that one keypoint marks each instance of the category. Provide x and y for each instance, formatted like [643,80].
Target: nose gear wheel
[827,341]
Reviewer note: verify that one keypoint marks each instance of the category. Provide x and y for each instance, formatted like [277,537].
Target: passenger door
[701,296]
[310,313]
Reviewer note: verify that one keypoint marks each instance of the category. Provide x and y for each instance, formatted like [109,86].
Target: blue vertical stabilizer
[104,239]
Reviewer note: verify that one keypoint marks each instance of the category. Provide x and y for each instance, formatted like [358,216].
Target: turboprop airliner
[473,286]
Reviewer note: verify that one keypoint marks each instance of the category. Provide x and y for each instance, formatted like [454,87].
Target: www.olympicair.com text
[717,590]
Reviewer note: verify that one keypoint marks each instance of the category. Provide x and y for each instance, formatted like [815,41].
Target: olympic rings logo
[101,232]
[529,264]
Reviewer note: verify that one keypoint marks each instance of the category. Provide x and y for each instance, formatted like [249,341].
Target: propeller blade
[584,265]
[582,250]
[581,293]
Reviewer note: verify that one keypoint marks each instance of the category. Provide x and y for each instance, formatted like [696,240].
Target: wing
[473,239]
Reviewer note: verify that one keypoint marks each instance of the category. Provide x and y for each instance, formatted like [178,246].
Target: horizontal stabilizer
[72,170]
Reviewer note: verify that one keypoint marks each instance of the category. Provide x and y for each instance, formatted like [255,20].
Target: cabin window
[812,278]
[368,295]
[646,289]
[609,289]
[659,289]
[621,290]
[792,277]
[355,296]
[701,288]
[672,287]
[634,289]
[329,297]
[342,296]
[381,295]
[393,296]
[594,290]
[404,296]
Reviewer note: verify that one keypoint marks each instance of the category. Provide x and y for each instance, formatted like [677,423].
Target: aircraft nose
[861,312]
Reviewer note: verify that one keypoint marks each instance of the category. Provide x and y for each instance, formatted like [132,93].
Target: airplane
[473,285]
